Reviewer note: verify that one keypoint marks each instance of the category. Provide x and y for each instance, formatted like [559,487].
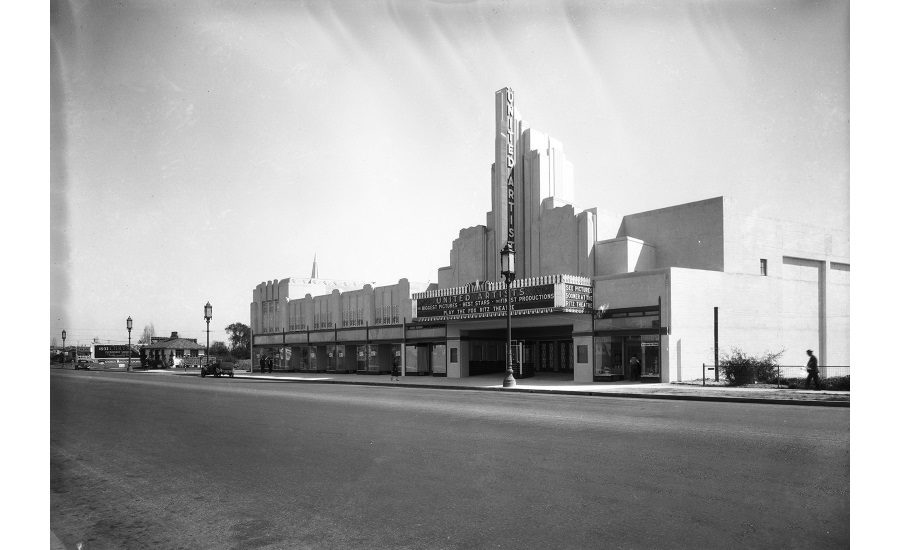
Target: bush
[740,368]
[836,383]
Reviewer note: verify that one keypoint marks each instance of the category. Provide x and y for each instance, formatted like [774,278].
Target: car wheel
[202,374]
[231,375]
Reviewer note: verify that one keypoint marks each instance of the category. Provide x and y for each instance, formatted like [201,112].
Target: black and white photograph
[449,274]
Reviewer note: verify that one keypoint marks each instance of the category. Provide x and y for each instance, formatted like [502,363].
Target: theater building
[584,305]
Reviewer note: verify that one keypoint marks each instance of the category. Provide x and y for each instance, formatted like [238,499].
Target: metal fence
[781,373]
[794,371]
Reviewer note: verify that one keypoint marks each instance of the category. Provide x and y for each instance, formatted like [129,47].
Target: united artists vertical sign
[510,166]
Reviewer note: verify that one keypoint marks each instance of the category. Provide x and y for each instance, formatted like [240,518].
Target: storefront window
[607,355]
[650,349]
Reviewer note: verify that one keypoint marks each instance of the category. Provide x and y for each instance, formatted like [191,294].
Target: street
[162,461]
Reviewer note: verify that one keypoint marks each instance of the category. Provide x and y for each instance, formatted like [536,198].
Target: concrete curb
[630,395]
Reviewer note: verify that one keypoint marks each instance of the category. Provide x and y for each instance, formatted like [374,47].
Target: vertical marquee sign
[508,132]
[510,164]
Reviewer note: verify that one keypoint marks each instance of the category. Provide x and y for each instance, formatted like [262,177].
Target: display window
[608,356]
[631,357]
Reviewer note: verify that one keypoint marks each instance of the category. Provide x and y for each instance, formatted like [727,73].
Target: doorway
[555,356]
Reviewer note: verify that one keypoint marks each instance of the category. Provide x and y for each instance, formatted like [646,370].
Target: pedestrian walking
[812,369]
[395,371]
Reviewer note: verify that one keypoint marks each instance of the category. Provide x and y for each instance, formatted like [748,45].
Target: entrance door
[361,357]
[331,359]
[632,349]
[555,357]
[548,359]
[439,359]
[565,357]
[423,358]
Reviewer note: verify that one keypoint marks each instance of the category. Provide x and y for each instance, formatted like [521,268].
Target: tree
[147,336]
[239,336]
[218,348]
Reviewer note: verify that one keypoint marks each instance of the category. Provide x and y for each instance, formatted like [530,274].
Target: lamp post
[64,347]
[508,270]
[207,314]
[128,326]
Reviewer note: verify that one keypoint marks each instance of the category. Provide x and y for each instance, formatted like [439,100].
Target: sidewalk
[556,384]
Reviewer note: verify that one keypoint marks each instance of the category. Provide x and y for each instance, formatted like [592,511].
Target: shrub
[741,368]
[836,383]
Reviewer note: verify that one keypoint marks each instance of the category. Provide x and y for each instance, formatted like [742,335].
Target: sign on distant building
[111,351]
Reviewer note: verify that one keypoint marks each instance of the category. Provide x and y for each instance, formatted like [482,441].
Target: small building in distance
[172,351]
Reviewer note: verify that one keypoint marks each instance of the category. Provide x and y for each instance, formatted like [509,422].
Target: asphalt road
[142,460]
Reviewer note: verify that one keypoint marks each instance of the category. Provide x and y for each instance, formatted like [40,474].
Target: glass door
[423,358]
[633,358]
[439,359]
[565,357]
[332,359]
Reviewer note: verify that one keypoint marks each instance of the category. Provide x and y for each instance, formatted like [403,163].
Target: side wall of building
[749,306]
[558,241]
[689,235]
[623,255]
[813,263]
[758,314]
[380,305]
[750,238]
[468,256]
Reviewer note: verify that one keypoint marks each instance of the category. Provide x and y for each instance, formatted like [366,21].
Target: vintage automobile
[216,367]
[82,364]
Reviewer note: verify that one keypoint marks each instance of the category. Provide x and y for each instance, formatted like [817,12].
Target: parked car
[215,367]
[82,364]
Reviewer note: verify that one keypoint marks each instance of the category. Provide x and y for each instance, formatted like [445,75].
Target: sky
[200,148]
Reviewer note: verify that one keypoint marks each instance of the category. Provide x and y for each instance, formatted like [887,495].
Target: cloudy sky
[199,148]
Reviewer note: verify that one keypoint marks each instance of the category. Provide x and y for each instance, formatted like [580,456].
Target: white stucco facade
[653,286]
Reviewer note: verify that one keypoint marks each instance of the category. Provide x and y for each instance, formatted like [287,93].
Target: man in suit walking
[812,369]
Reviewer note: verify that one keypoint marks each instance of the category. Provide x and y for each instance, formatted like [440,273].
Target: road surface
[162,461]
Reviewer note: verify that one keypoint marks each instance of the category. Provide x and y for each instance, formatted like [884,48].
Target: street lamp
[207,314]
[64,347]
[508,270]
[128,325]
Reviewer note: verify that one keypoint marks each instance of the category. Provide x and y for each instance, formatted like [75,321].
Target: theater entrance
[554,356]
[546,349]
